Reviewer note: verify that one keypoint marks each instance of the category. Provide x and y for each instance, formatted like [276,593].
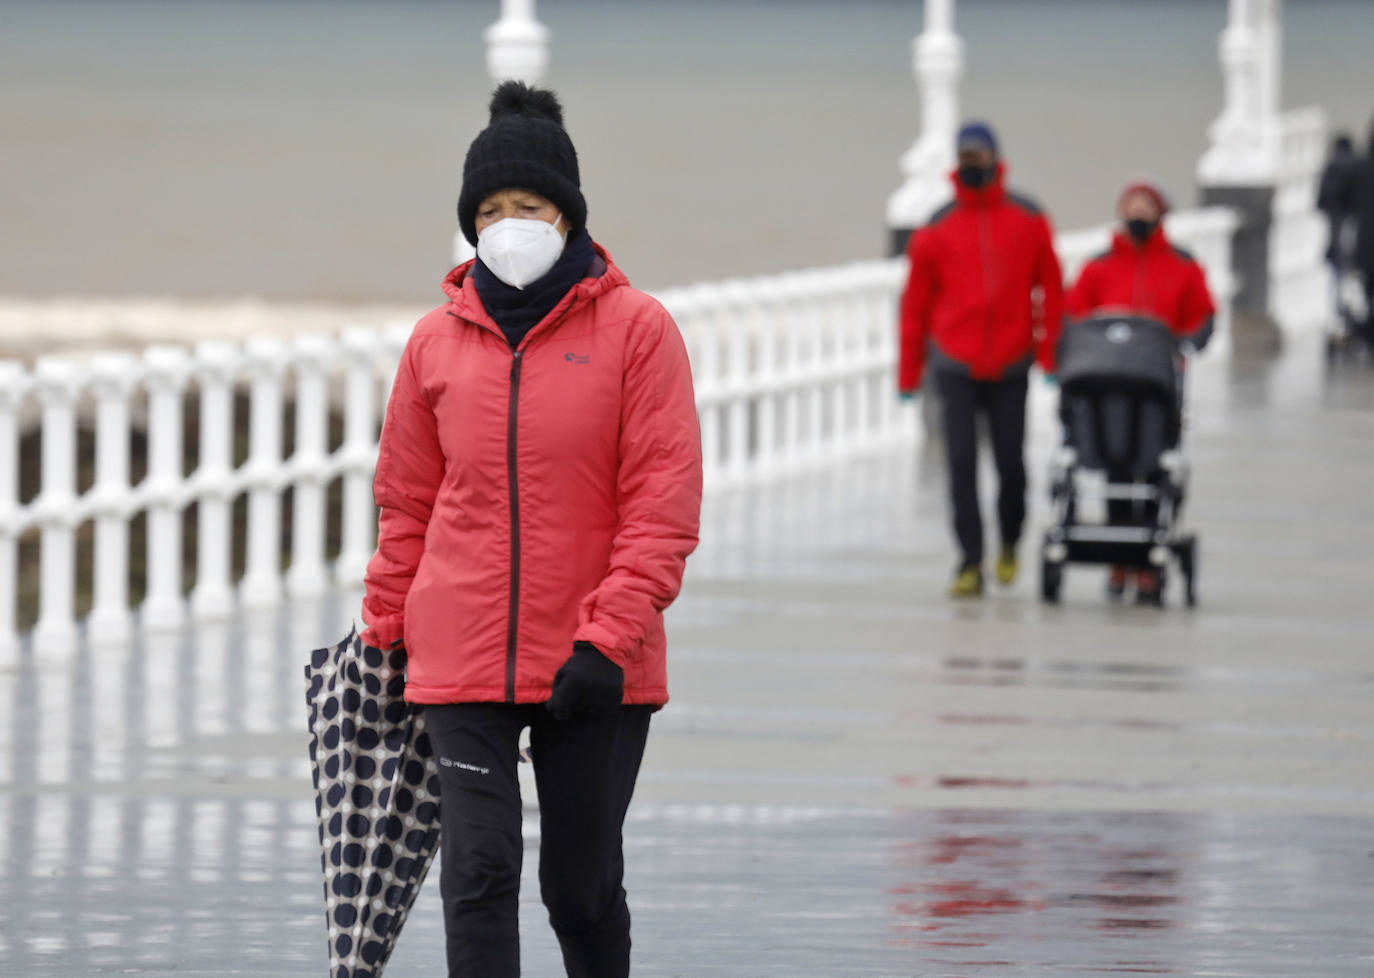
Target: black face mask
[1140,229]
[976,177]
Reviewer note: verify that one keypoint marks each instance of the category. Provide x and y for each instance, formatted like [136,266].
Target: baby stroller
[1117,483]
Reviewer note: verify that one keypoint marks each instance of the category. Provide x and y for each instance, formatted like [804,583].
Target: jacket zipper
[983,236]
[512,626]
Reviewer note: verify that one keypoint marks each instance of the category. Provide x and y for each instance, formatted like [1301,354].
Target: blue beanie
[978,135]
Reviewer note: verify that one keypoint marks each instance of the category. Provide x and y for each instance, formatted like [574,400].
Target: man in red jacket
[1143,273]
[982,304]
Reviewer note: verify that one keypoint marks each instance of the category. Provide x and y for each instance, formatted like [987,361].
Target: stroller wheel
[1150,586]
[1051,578]
[1150,599]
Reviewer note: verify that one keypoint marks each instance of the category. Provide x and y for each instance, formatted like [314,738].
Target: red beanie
[1148,186]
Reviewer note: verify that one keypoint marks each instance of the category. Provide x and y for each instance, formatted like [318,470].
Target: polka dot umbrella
[377,797]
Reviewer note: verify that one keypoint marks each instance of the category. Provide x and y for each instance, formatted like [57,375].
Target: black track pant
[585,771]
[1004,403]
[1369,304]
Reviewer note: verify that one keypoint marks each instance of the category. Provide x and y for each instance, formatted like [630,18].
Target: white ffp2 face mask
[520,250]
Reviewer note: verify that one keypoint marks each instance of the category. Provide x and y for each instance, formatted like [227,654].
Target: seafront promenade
[855,776]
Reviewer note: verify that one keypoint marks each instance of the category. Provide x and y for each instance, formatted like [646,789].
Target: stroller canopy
[1125,350]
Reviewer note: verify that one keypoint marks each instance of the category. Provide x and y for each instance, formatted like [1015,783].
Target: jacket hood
[464,302]
[993,193]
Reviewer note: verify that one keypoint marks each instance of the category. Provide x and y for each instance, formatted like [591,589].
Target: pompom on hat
[524,147]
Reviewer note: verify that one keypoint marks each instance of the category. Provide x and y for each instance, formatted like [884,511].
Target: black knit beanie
[524,147]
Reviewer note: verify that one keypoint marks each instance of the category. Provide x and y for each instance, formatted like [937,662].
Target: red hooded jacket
[1156,279]
[970,303]
[535,497]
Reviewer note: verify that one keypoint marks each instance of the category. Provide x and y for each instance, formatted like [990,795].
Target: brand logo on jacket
[1119,332]
[577,358]
[463,766]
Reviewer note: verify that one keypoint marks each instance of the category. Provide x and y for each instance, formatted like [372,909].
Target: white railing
[103,391]
[790,370]
[1299,281]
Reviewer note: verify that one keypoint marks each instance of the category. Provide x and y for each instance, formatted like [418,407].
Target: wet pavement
[855,777]
[228,886]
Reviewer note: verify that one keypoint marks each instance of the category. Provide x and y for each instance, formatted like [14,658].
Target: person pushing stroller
[1144,274]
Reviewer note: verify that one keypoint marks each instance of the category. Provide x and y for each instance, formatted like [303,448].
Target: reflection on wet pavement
[854,778]
[220,886]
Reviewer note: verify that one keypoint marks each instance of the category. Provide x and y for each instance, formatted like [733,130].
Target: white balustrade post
[517,44]
[884,345]
[823,376]
[736,331]
[307,576]
[938,63]
[813,371]
[873,419]
[1300,279]
[1243,148]
[863,333]
[212,599]
[852,384]
[110,620]
[768,297]
[168,368]
[55,633]
[836,323]
[13,384]
[708,319]
[261,584]
[1244,162]
[1269,39]
[793,314]
[359,457]
[898,420]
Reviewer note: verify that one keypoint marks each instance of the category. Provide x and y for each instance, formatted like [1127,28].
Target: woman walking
[1144,273]
[539,485]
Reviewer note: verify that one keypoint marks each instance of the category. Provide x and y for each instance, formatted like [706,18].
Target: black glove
[587,683]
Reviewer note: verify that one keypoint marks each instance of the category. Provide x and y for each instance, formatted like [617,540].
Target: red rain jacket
[1156,279]
[969,304]
[535,497]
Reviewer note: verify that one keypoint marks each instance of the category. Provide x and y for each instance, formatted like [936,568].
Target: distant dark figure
[1336,198]
[1363,212]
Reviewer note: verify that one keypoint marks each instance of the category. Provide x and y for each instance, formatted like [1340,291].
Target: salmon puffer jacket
[534,497]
